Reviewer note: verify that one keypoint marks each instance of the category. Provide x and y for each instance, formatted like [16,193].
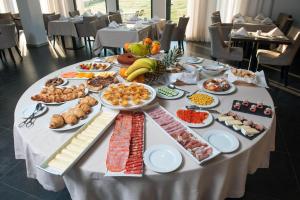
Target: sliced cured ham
[178,131]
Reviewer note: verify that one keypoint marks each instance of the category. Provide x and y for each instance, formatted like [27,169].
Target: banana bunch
[139,67]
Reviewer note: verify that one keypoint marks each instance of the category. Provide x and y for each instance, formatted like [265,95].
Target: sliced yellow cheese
[247,130]
[69,153]
[237,127]
[225,118]
[74,148]
[64,157]
[79,142]
[59,164]
[84,137]
[233,122]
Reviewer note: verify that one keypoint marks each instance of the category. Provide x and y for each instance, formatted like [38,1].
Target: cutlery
[193,107]
[29,121]
[172,86]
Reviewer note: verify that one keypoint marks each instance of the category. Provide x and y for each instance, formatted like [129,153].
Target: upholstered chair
[165,40]
[74,13]
[283,56]
[179,31]
[115,17]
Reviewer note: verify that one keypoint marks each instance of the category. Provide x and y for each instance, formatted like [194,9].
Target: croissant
[57,121]
[70,119]
[91,101]
[78,112]
[84,107]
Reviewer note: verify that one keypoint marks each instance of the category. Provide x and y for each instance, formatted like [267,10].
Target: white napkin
[88,13]
[155,18]
[99,14]
[240,32]
[238,15]
[259,17]
[239,20]
[134,18]
[138,25]
[189,76]
[275,32]
[113,24]
[259,80]
[267,20]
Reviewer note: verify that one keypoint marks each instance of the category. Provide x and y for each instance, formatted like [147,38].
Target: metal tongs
[29,121]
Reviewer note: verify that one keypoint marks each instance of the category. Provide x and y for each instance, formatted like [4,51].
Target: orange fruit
[122,72]
[147,41]
[155,49]
[126,46]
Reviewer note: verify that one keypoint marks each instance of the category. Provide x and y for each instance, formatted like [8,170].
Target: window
[130,7]
[93,5]
[178,9]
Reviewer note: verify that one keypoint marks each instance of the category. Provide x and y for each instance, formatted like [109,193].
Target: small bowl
[213,70]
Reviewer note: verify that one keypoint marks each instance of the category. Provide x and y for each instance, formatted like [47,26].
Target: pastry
[70,119]
[243,73]
[216,84]
[53,94]
[84,107]
[99,82]
[91,101]
[57,121]
[78,113]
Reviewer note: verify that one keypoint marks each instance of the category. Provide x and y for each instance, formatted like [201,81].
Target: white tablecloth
[62,28]
[117,37]
[224,176]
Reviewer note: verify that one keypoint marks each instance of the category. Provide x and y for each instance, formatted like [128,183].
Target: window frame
[75,5]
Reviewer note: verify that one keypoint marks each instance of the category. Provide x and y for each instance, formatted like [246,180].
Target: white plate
[206,122]
[191,60]
[162,96]
[214,103]
[72,104]
[222,140]
[231,89]
[162,158]
[30,109]
[65,82]
[132,107]
[93,70]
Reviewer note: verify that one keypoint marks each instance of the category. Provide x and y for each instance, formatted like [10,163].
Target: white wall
[287,6]
[30,11]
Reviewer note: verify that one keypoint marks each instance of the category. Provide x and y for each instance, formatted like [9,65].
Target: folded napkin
[88,13]
[275,32]
[113,24]
[99,14]
[134,18]
[155,18]
[267,20]
[239,20]
[138,25]
[260,17]
[240,32]
[238,15]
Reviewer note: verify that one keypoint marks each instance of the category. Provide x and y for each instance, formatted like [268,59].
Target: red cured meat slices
[134,163]
[118,151]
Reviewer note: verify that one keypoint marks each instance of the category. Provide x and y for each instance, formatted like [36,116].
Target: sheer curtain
[58,6]
[200,12]
[8,6]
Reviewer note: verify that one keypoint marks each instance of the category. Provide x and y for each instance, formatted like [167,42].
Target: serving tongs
[193,107]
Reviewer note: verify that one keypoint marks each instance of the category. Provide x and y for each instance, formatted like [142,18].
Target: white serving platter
[215,152]
[72,104]
[31,108]
[44,165]
[162,96]
[131,107]
[94,70]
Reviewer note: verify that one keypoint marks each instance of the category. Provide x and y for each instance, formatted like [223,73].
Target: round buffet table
[221,177]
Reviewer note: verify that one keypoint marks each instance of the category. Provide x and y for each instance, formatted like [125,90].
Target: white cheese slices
[74,148]
[247,130]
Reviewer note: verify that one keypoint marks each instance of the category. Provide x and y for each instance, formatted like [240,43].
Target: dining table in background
[222,177]
[68,32]
[250,24]
[256,40]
